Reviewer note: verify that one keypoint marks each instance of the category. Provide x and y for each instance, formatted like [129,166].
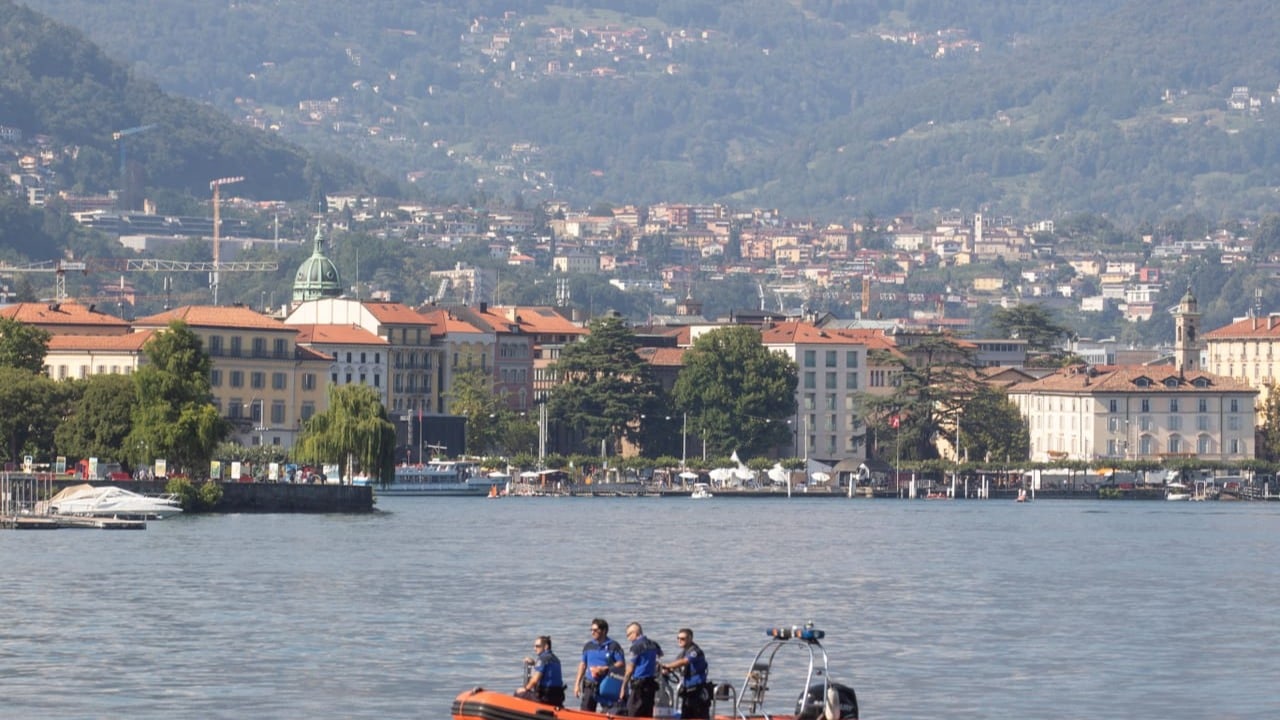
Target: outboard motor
[840,703]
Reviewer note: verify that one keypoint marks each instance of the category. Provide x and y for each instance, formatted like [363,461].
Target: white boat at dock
[701,492]
[109,501]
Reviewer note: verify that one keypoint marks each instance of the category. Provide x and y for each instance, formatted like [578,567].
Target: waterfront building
[464,348]
[415,363]
[832,368]
[1249,349]
[512,358]
[357,356]
[261,379]
[79,356]
[1137,412]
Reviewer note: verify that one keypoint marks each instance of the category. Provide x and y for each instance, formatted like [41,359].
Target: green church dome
[317,277]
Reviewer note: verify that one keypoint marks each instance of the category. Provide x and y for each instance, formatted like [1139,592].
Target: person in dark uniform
[545,683]
[600,656]
[640,681]
[695,684]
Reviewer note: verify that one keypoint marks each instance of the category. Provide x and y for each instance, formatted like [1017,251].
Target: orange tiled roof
[544,320]
[214,316]
[446,322]
[66,313]
[306,353]
[131,342]
[802,333]
[337,335]
[663,357]
[1249,327]
[1124,379]
[389,313]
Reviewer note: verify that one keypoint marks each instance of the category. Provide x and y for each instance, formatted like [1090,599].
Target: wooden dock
[57,522]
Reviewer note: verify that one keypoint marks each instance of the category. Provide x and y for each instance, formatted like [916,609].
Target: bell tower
[1186,343]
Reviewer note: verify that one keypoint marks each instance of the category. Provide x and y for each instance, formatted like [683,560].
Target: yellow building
[261,379]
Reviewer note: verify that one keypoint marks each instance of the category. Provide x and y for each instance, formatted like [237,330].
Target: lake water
[932,609]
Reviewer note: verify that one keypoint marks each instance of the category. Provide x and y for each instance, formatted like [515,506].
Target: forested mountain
[832,107]
[56,82]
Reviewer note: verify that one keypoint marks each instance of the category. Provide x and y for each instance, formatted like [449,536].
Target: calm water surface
[1053,609]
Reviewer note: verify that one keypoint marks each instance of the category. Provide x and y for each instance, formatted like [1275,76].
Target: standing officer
[640,681]
[600,656]
[695,685]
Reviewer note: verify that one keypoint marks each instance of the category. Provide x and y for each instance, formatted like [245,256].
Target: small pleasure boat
[700,492]
[108,501]
[1176,492]
[816,696]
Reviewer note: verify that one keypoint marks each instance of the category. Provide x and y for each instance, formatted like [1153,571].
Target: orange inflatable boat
[814,695]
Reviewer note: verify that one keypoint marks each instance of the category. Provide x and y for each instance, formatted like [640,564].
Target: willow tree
[354,433]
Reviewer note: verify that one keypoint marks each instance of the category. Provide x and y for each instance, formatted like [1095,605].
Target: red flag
[894,421]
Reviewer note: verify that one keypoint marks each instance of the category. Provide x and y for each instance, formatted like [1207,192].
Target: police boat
[813,695]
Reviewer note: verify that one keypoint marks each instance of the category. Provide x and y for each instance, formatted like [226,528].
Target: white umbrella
[820,477]
[778,474]
[689,475]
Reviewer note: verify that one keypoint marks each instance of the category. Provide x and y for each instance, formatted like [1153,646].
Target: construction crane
[216,187]
[60,268]
[119,136]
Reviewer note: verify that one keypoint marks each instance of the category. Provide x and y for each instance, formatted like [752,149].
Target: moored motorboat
[1176,492]
[109,501]
[816,696]
[701,492]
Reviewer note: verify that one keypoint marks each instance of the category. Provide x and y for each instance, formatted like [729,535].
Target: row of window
[831,381]
[1204,423]
[1114,405]
[239,409]
[363,379]
[831,358]
[258,347]
[258,379]
[1148,446]
[83,371]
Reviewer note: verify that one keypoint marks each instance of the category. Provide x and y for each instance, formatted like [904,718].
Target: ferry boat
[440,477]
[816,696]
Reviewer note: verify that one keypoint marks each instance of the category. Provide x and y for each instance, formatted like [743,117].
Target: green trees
[1030,322]
[22,346]
[491,426]
[100,418]
[173,418]
[992,429]
[936,380]
[605,386]
[31,406]
[353,433]
[1269,433]
[738,394]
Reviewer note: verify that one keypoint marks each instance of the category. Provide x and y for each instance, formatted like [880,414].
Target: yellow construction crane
[216,186]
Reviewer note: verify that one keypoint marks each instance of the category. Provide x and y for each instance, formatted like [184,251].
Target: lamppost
[260,422]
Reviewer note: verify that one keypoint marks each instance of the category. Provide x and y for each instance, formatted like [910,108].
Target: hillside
[815,106]
[55,82]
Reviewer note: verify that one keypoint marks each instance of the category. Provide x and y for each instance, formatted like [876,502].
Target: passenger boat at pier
[441,477]
[814,695]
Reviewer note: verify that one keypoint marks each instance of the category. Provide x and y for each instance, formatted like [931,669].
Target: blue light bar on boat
[807,632]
